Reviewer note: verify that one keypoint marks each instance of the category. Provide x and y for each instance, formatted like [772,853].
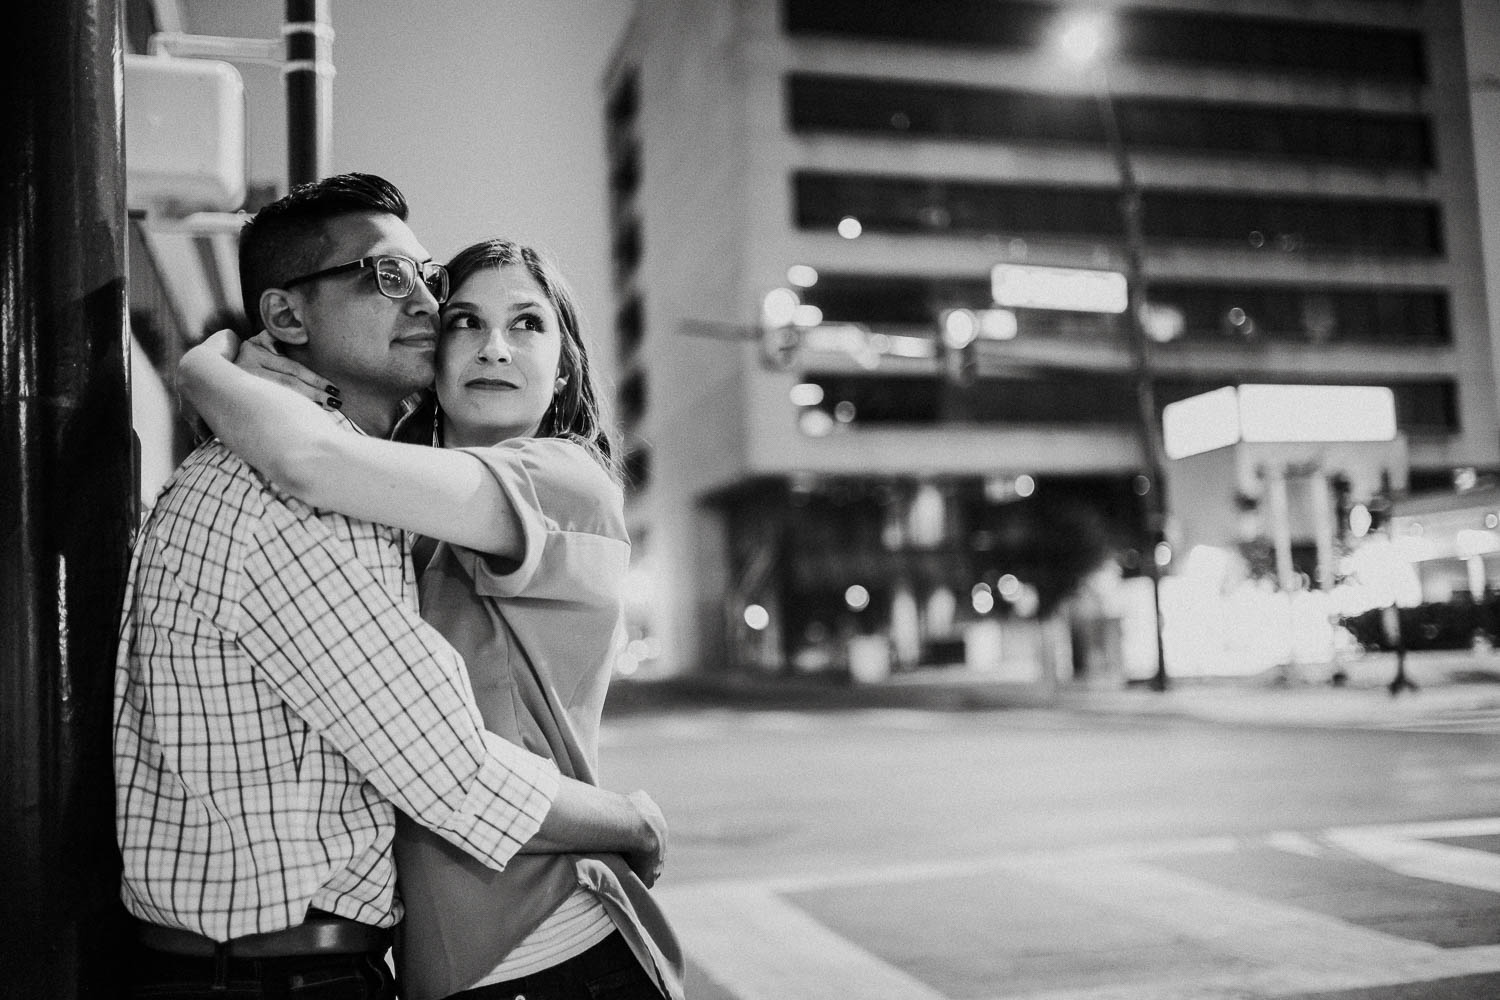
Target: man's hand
[647,862]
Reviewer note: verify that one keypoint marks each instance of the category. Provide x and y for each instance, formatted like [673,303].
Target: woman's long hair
[578,411]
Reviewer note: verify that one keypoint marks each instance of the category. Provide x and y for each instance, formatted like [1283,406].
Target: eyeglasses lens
[396,276]
[436,278]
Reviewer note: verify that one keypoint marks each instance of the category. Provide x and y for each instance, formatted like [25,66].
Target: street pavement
[1367,911]
[1374,913]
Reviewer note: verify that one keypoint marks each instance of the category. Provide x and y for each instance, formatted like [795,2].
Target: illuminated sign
[1201,423]
[1317,413]
[1279,414]
[1028,286]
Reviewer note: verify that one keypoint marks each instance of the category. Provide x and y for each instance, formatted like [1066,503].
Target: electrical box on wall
[184,135]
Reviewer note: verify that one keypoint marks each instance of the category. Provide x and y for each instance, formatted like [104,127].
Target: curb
[793,693]
[1447,686]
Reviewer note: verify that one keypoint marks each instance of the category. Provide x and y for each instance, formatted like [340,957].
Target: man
[277,696]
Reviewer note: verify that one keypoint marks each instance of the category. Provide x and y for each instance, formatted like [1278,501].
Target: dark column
[1152,483]
[68,505]
[309,90]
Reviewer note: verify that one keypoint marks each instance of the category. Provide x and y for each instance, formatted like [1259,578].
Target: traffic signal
[779,345]
[1343,505]
[958,333]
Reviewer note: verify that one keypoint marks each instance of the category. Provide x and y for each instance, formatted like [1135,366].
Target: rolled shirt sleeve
[575,547]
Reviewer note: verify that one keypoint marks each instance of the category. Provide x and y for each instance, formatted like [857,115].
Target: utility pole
[1086,37]
[68,508]
[1152,453]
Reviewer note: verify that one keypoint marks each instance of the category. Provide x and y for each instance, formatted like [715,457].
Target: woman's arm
[291,441]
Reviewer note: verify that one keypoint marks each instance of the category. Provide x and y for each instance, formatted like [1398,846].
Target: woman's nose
[495,348]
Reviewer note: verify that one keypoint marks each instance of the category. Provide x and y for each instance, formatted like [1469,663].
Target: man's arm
[585,818]
[392,696]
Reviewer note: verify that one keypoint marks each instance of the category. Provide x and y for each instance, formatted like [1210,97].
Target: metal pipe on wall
[309,90]
[69,507]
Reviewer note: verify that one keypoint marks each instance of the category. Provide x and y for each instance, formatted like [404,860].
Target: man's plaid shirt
[276,698]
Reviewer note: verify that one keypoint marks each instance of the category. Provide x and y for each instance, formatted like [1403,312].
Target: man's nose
[422,301]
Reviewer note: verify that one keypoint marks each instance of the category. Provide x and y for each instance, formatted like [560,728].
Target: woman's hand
[648,859]
[260,357]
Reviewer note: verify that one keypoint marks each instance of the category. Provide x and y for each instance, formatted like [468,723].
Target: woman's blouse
[539,636]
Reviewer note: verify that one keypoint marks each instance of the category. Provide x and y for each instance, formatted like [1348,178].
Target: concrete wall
[688,58]
[1474,347]
[1482,62]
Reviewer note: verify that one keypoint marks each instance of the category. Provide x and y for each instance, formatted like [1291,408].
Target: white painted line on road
[1278,982]
[1296,843]
[762,948]
[1418,858]
[1485,723]
[1160,989]
[1482,826]
[1235,923]
[921,871]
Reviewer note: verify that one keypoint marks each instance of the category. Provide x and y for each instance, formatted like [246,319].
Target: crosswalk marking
[761,947]
[919,871]
[766,949]
[1420,858]
[1441,829]
[1231,923]
[1296,843]
[1476,721]
[1275,982]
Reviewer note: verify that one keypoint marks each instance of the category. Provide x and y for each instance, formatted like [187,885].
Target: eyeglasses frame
[371,262]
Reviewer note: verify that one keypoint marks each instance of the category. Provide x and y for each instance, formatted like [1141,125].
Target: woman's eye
[460,321]
[527,321]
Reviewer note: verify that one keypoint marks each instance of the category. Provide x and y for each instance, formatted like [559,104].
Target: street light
[1086,38]
[1084,35]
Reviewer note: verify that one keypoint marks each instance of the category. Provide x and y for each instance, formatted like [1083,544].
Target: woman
[523,558]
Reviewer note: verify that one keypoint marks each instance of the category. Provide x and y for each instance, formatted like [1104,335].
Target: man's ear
[282,314]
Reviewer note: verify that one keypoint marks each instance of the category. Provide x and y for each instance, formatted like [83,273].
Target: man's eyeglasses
[395,276]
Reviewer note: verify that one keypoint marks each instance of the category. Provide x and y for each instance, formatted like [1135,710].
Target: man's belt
[320,935]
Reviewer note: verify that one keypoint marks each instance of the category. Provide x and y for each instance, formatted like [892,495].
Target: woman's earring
[557,386]
[437,426]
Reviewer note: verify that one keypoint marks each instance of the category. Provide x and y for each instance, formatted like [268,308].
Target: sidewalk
[1449,685]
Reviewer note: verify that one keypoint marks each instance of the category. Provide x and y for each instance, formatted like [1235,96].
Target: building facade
[807,195]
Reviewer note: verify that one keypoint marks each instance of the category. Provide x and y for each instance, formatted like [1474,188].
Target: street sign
[1031,286]
[1278,414]
[1317,413]
[1201,423]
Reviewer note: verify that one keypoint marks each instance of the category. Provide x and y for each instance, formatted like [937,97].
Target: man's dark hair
[288,237]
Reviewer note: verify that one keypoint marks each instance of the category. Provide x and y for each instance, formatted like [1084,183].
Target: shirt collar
[406,409]
[409,409]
